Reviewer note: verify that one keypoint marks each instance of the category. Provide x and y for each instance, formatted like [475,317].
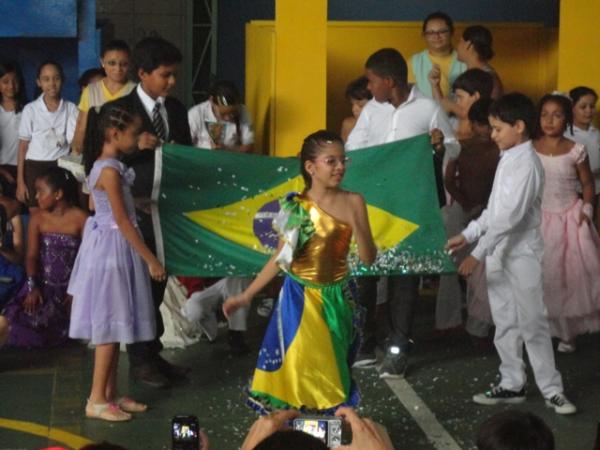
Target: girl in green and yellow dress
[305,358]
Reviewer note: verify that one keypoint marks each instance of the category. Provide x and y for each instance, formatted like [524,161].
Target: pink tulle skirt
[571,268]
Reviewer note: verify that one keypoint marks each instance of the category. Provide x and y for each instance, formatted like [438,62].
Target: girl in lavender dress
[571,262]
[39,313]
[110,283]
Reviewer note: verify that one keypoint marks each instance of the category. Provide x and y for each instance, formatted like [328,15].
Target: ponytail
[111,115]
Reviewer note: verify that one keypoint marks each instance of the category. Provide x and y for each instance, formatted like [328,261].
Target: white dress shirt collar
[148,101]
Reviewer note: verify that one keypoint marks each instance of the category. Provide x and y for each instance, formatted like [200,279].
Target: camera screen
[314,427]
[185,432]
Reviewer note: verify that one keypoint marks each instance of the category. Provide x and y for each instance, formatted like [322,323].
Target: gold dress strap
[323,259]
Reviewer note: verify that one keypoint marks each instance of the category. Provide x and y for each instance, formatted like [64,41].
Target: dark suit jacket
[142,160]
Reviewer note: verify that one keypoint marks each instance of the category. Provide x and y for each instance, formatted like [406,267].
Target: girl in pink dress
[571,262]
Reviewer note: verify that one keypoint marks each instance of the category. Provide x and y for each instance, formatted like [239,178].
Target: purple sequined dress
[110,283]
[49,325]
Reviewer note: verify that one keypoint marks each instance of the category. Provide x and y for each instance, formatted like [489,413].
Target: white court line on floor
[419,411]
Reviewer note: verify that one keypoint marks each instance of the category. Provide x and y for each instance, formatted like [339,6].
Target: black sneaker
[561,404]
[393,365]
[500,395]
[149,375]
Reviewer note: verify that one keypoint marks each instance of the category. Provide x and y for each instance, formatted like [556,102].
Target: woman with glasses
[115,60]
[439,55]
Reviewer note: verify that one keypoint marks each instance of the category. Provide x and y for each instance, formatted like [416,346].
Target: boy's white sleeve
[476,227]
[194,122]
[26,125]
[441,121]
[246,129]
[359,136]
[517,195]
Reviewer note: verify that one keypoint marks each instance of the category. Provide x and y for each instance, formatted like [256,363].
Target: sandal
[129,405]
[106,411]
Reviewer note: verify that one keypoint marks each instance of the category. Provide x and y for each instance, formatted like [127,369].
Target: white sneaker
[561,404]
[566,347]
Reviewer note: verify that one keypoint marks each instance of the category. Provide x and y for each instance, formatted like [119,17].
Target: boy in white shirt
[510,240]
[397,111]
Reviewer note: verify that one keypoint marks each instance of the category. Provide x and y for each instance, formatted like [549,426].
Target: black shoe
[499,395]
[394,365]
[237,343]
[171,371]
[149,375]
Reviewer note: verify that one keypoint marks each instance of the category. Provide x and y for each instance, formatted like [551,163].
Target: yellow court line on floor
[55,434]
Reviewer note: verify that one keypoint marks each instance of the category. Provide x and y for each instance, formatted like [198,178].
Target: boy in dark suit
[164,119]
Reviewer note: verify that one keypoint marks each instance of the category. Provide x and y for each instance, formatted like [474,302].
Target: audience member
[45,132]
[222,121]
[358,95]
[514,430]
[439,56]
[115,60]
[90,76]
[39,313]
[12,101]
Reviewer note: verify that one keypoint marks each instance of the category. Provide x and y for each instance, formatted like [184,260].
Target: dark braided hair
[111,115]
[312,146]
[60,179]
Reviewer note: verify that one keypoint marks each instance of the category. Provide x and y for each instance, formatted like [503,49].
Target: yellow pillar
[578,62]
[300,72]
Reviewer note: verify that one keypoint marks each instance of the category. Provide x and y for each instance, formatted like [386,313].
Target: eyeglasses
[332,161]
[112,63]
[430,33]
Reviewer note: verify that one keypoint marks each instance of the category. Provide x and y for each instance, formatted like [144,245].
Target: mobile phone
[331,430]
[185,433]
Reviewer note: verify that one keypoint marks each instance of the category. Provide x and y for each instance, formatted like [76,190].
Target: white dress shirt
[202,115]
[591,139]
[9,136]
[149,104]
[380,123]
[49,133]
[513,216]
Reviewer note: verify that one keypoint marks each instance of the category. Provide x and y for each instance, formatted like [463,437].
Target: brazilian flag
[213,209]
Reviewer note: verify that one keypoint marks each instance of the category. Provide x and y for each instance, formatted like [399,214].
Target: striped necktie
[158,123]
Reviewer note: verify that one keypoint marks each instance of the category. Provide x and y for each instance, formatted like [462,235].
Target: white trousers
[202,306]
[516,299]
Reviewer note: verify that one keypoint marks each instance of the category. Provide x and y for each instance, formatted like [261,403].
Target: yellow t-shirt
[84,102]
[445,63]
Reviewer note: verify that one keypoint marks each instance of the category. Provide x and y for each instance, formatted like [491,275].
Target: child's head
[358,94]
[50,78]
[115,125]
[555,114]
[115,59]
[12,85]
[385,69]
[470,86]
[322,157]
[56,185]
[225,100]
[479,117]
[477,39]
[90,76]
[437,31]
[156,62]
[514,430]
[512,118]
[584,105]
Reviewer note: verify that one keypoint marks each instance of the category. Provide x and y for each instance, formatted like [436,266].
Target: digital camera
[333,431]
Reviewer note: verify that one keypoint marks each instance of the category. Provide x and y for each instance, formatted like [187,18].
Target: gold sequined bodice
[323,258]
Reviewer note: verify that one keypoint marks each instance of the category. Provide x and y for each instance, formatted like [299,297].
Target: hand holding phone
[185,433]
